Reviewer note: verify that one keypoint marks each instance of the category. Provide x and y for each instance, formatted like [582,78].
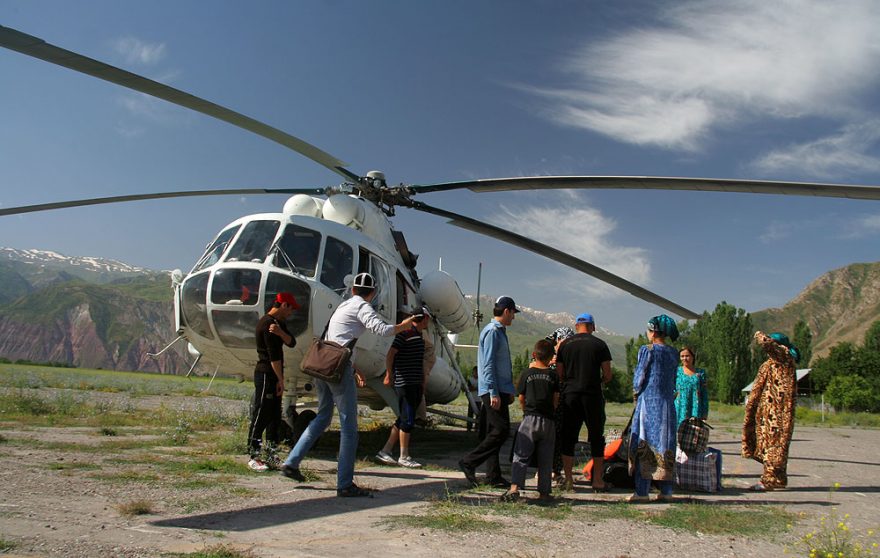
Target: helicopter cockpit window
[297,250]
[215,250]
[194,305]
[298,322]
[254,242]
[337,263]
[236,286]
[383,301]
[236,329]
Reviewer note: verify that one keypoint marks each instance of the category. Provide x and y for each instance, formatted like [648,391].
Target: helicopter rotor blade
[157,196]
[38,48]
[558,256]
[657,183]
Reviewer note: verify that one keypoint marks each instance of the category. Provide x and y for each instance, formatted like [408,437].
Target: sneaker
[469,473]
[292,473]
[386,458]
[273,462]
[407,461]
[257,465]
[354,491]
[510,497]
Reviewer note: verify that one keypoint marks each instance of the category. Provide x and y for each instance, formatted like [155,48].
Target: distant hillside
[84,311]
[839,306]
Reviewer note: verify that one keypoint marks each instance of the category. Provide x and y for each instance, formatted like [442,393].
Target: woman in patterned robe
[769,420]
[652,439]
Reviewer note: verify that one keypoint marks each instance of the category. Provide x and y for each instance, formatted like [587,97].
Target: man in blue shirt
[495,388]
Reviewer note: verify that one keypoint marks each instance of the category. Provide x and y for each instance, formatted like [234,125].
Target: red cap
[288,298]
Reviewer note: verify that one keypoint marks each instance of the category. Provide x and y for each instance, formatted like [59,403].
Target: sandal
[636,499]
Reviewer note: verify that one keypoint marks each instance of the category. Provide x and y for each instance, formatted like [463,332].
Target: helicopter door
[384,300]
[336,264]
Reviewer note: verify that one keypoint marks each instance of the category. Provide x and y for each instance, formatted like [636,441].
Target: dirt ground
[72,512]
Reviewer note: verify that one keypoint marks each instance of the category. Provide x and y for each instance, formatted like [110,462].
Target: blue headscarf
[664,325]
[782,339]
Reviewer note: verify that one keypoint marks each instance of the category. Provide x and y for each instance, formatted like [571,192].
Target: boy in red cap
[271,333]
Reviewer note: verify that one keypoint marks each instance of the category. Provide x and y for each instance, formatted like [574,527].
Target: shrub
[852,393]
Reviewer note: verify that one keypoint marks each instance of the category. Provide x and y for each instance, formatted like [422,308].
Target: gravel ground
[73,512]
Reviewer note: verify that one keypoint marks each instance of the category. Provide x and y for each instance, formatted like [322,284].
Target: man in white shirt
[351,318]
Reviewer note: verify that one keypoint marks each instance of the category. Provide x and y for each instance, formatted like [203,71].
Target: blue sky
[444,91]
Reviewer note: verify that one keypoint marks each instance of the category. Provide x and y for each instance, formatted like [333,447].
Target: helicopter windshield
[297,250]
[215,250]
[254,242]
[236,286]
[194,304]
[337,263]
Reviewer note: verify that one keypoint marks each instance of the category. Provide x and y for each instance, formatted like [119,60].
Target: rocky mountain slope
[838,306]
[85,312]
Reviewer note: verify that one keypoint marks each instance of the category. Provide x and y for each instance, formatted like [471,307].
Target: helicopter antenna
[477,315]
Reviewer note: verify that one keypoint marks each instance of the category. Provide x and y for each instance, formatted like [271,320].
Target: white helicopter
[314,244]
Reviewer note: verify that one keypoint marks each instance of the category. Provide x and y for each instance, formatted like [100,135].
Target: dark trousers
[497,431]
[266,415]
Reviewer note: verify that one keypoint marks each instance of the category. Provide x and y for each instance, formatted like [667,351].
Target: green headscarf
[664,325]
[783,340]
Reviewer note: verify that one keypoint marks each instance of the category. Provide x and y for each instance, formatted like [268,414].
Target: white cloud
[721,63]
[777,231]
[866,225]
[586,235]
[136,51]
[845,153]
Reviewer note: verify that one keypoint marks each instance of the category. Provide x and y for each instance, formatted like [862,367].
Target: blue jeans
[643,486]
[344,396]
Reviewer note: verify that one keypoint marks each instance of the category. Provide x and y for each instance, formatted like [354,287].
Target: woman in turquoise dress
[692,395]
[652,438]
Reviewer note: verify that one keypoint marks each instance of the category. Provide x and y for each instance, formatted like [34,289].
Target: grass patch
[217,551]
[6,545]
[135,507]
[708,519]
[453,513]
[108,431]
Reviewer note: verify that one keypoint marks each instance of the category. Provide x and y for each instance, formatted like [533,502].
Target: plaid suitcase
[700,472]
[693,435]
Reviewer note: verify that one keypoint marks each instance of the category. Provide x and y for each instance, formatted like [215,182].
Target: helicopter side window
[236,286]
[254,242]
[383,301]
[194,305]
[215,250]
[297,250]
[337,263]
[298,322]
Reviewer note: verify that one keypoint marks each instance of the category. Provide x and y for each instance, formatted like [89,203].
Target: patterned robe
[654,420]
[769,420]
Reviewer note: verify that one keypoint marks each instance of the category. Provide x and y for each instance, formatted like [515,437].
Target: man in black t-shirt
[271,333]
[584,363]
[538,392]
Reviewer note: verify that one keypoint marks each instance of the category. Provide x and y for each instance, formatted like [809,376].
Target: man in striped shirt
[405,366]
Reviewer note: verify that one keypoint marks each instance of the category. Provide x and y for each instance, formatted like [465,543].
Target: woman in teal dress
[691,393]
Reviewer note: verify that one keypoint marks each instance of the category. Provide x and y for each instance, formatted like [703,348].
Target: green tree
[619,389]
[803,340]
[726,341]
[839,362]
[872,338]
[853,393]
